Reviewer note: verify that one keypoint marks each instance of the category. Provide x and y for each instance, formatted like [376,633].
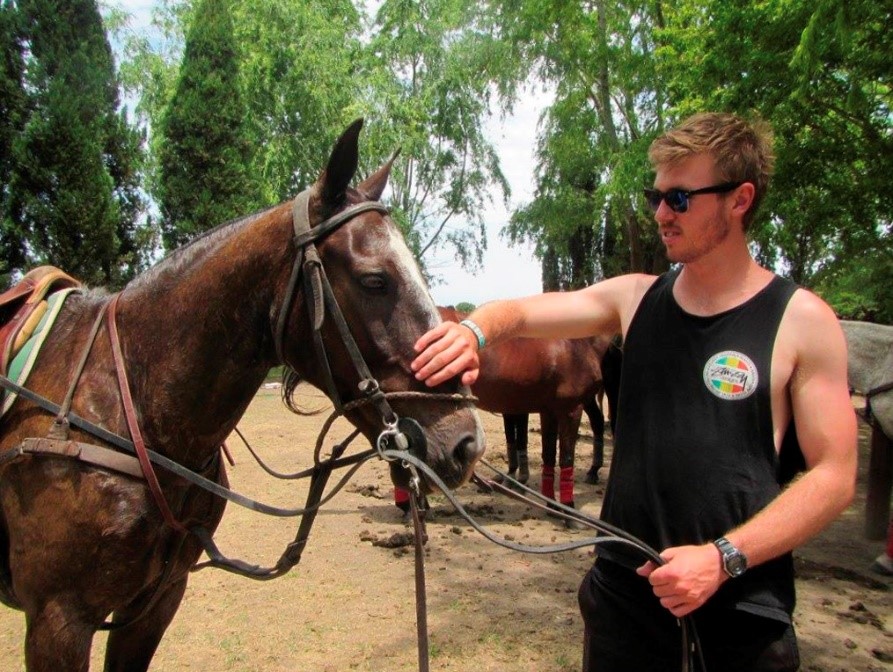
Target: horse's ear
[333,183]
[373,186]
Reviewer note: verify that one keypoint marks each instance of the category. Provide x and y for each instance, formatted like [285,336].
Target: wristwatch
[734,562]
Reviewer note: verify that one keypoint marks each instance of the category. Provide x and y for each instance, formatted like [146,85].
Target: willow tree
[431,70]
[418,71]
[599,59]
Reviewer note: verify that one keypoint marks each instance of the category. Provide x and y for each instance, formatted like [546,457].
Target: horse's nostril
[467,450]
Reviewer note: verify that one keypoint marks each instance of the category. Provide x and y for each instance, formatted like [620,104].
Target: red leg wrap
[566,485]
[547,485]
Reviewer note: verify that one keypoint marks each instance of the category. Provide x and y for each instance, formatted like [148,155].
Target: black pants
[626,630]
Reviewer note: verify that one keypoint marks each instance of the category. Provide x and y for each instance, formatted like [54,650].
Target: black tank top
[694,453]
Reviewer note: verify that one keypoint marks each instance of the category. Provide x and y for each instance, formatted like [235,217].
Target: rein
[691,647]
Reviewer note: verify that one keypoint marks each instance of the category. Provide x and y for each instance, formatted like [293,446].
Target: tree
[14,106]
[432,68]
[421,76]
[622,72]
[465,307]
[820,74]
[205,152]
[298,63]
[588,219]
[73,192]
[303,79]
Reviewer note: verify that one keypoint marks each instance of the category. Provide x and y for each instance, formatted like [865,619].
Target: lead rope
[691,650]
[421,599]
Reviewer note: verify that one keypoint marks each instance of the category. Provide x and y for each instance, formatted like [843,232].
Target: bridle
[400,433]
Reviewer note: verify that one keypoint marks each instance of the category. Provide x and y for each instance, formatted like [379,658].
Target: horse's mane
[186,254]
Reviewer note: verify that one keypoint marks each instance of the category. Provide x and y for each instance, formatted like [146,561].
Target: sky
[507,272]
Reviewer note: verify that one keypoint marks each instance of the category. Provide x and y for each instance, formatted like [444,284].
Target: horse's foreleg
[568,428]
[549,424]
[510,427]
[57,640]
[131,648]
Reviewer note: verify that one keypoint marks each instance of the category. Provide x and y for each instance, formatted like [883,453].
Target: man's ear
[743,198]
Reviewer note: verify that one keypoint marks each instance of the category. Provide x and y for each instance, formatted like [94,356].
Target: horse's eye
[374,281]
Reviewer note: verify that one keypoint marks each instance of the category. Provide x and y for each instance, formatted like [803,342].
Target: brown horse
[198,334]
[552,377]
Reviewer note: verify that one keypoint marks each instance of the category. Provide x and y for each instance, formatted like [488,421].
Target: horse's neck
[198,329]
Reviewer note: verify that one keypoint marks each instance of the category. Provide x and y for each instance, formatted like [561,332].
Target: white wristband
[476,330]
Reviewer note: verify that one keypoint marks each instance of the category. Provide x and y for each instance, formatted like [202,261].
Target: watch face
[736,564]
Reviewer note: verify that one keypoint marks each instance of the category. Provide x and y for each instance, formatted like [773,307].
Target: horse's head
[376,285]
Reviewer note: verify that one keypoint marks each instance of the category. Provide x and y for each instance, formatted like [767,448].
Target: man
[722,361]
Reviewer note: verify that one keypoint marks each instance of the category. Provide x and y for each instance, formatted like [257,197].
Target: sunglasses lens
[677,200]
[653,197]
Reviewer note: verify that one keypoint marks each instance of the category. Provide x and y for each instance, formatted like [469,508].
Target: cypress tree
[13,111]
[74,187]
[205,155]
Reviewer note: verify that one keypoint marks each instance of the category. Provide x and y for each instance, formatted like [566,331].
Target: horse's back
[524,375]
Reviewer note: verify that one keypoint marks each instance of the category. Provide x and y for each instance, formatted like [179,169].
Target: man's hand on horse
[448,350]
[690,575]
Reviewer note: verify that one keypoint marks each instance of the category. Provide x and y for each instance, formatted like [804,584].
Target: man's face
[705,225]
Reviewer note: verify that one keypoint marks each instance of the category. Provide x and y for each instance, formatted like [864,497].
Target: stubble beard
[714,234]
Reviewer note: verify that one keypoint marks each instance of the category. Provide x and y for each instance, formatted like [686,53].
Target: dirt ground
[350,604]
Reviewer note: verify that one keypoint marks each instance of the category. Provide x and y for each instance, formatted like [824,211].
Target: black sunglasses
[677,199]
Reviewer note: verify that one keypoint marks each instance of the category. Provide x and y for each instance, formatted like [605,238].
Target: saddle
[23,306]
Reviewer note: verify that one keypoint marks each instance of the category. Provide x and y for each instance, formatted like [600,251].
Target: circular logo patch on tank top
[730,375]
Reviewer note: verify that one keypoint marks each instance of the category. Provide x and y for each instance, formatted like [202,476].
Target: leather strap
[133,425]
[85,452]
[421,600]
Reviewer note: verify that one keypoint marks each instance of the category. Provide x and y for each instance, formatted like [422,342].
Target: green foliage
[73,184]
[421,75]
[246,113]
[298,76]
[586,220]
[205,152]
[820,74]
[622,72]
[431,69]
[465,307]
[14,109]
[300,71]
[859,287]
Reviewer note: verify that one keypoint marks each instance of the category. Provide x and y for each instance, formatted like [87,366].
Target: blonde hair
[741,150]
